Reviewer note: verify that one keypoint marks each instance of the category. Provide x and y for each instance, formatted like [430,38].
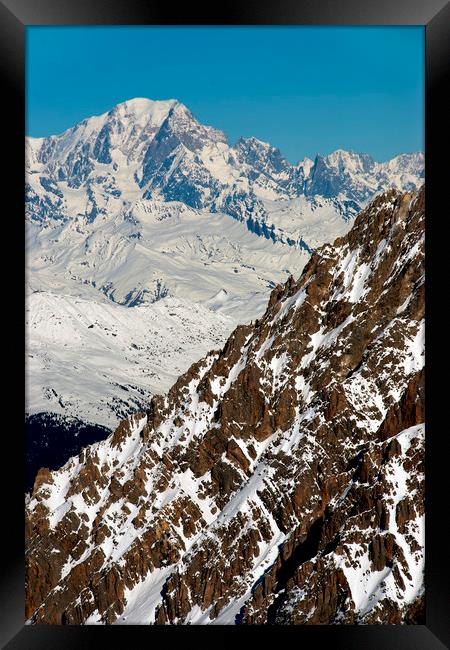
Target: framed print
[224,269]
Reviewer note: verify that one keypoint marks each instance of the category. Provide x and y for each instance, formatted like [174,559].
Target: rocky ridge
[280,480]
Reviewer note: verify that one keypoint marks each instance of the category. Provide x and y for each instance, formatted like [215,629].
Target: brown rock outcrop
[280,480]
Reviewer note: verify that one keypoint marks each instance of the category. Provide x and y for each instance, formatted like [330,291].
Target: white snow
[368,586]
[88,358]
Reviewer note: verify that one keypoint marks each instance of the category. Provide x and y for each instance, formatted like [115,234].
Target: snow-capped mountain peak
[306,165]
[125,127]
[145,110]
[261,156]
[150,149]
[349,161]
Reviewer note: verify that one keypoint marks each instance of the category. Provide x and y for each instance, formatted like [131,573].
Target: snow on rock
[279,480]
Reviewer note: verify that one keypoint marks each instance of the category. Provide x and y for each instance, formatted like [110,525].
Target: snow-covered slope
[104,361]
[158,249]
[280,480]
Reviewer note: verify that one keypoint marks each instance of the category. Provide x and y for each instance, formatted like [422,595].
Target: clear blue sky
[306,90]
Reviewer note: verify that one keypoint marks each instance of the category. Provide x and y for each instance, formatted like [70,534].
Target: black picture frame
[15,16]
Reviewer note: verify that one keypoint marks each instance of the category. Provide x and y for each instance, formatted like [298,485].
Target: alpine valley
[225,379]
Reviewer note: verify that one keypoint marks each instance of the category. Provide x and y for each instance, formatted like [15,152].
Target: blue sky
[306,90]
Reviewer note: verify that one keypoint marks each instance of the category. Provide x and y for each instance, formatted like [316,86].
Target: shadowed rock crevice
[301,553]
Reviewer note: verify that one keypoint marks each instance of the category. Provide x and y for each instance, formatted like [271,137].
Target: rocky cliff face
[280,480]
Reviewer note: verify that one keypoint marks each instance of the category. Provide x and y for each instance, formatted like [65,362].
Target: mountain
[280,479]
[355,178]
[144,204]
[150,150]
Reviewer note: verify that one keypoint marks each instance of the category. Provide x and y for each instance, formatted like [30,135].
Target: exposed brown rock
[289,440]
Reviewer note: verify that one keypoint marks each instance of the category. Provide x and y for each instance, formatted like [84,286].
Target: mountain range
[150,237]
[147,150]
[280,479]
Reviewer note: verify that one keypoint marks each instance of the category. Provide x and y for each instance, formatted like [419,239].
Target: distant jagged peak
[407,162]
[362,162]
[256,145]
[348,160]
[170,112]
[253,142]
[138,109]
[306,164]
[262,155]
